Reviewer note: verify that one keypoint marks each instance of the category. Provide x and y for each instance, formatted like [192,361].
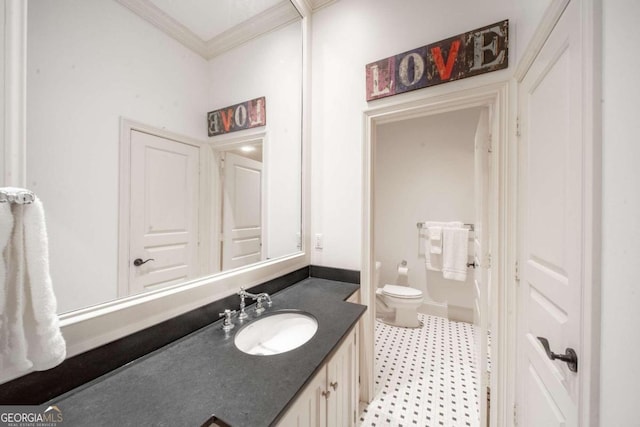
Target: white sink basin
[276,333]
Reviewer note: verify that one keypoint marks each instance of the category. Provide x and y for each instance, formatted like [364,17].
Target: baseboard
[460,314]
[434,308]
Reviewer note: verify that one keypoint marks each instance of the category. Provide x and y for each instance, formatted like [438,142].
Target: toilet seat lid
[401,291]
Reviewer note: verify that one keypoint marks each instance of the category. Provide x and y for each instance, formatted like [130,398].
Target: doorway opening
[488,310]
[239,236]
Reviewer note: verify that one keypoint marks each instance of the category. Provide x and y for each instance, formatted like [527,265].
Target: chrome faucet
[243,314]
[260,299]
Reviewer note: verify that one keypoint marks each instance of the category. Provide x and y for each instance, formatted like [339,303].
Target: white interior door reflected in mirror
[242,230]
[163,212]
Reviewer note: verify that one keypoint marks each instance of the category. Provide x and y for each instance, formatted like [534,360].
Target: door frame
[444,99]
[591,32]
[124,197]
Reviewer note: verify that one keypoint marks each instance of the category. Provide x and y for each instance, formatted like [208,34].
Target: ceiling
[211,27]
[208,19]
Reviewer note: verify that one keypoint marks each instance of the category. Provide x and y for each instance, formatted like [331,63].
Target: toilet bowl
[402,301]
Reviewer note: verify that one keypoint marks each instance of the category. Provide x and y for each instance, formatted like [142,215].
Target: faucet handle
[227,325]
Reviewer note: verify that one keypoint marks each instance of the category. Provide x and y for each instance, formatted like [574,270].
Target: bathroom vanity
[205,374]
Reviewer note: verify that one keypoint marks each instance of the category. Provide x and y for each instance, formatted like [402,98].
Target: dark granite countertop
[184,383]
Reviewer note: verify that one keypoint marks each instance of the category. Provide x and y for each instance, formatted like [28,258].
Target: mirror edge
[92,327]
[89,328]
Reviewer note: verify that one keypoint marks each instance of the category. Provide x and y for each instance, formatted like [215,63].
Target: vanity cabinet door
[310,407]
[331,398]
[342,384]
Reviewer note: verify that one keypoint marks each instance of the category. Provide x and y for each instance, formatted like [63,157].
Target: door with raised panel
[552,228]
[242,212]
[163,215]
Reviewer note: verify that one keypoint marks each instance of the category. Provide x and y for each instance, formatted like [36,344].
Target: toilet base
[401,318]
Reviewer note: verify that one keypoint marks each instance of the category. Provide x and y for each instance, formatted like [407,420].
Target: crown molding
[319,4]
[273,18]
[159,19]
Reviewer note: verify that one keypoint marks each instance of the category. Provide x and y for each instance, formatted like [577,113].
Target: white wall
[91,62]
[270,66]
[527,16]
[345,37]
[424,171]
[620,371]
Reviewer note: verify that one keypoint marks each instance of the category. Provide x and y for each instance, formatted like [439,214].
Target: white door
[551,228]
[481,252]
[164,212]
[242,212]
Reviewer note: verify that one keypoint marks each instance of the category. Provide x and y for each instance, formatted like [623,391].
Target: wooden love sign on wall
[465,55]
[237,117]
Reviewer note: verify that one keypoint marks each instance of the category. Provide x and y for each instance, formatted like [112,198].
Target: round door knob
[138,261]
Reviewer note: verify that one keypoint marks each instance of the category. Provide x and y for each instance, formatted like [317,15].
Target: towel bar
[16,195]
[471,226]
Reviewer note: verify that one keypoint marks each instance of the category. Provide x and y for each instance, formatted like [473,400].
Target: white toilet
[403,301]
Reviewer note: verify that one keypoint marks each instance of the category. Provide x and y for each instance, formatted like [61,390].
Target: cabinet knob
[334,385]
[326,394]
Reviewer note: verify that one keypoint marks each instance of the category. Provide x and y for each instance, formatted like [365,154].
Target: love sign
[237,117]
[469,54]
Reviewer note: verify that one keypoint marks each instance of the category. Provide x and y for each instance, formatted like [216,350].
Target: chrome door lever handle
[570,357]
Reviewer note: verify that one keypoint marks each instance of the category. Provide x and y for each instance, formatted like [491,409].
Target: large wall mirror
[138,197]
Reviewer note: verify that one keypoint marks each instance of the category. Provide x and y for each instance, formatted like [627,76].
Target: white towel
[6,227]
[434,240]
[455,247]
[30,336]
[435,236]
[433,261]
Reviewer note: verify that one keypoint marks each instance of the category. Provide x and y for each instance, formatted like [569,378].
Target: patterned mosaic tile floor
[426,376]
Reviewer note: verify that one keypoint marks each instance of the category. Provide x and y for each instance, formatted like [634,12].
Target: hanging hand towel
[13,345]
[432,261]
[455,247]
[30,336]
[435,236]
[6,226]
[47,347]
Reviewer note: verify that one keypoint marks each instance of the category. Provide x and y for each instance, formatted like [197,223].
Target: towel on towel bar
[455,253]
[435,236]
[434,240]
[30,334]
[432,260]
